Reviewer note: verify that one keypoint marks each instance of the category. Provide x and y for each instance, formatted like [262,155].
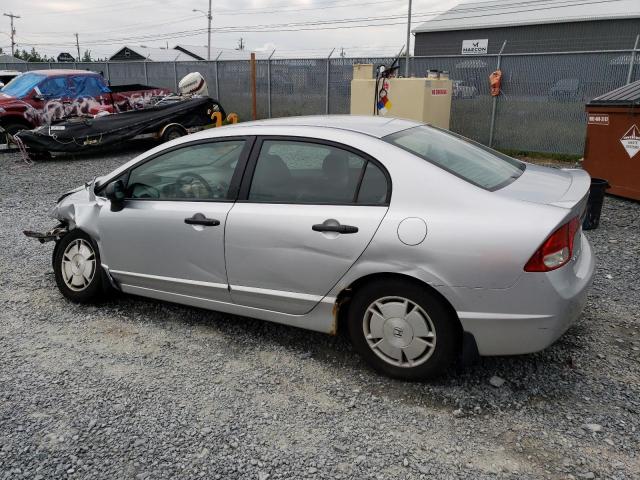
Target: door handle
[200,219]
[323,227]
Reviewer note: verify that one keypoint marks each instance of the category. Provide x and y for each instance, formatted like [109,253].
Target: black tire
[88,288]
[12,128]
[173,132]
[439,322]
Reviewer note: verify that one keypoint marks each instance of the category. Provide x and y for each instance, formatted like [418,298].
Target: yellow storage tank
[422,99]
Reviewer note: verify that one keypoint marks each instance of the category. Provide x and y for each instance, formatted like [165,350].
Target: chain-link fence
[541,108]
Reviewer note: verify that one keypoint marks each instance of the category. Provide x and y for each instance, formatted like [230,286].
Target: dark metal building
[530,27]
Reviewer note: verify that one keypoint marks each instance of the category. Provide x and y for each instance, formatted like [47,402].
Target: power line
[270,10]
[121,28]
[329,24]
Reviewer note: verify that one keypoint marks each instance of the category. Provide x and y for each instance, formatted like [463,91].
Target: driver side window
[191,173]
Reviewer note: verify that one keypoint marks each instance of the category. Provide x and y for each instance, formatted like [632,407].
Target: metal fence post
[175,74]
[108,74]
[326,105]
[146,73]
[495,100]
[217,82]
[633,60]
[269,84]
[254,93]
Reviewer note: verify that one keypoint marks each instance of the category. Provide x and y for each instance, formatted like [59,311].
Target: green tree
[34,56]
[87,56]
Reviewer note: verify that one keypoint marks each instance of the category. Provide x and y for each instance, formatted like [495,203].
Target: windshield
[465,158]
[22,84]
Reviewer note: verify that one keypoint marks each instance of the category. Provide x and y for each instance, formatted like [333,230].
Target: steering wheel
[181,181]
[221,189]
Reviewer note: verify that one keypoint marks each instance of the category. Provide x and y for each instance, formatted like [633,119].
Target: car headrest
[273,169]
[336,167]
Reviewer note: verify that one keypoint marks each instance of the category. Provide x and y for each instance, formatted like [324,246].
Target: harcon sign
[475,47]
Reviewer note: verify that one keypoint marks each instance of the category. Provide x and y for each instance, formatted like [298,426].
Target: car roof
[61,71]
[375,126]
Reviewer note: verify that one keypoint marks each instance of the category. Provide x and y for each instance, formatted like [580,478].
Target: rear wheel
[77,269]
[402,330]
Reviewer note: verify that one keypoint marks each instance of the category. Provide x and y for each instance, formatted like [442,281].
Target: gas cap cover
[412,231]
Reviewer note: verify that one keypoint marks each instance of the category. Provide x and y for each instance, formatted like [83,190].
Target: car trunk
[550,186]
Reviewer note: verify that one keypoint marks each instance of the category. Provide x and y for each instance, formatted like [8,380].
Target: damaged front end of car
[77,208]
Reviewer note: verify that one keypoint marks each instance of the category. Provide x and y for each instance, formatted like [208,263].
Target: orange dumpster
[612,148]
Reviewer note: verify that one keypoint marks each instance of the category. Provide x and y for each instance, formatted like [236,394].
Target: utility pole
[240,44]
[209,17]
[209,32]
[78,46]
[407,53]
[13,31]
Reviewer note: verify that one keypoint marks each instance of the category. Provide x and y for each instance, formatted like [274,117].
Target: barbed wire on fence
[542,109]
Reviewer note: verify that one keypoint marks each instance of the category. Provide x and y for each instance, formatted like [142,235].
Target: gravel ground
[141,389]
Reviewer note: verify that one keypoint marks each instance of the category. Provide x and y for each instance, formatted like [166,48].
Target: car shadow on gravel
[464,389]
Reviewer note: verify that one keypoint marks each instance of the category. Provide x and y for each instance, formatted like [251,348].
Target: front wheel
[76,264]
[402,330]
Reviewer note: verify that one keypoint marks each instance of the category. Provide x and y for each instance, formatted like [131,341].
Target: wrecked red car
[40,97]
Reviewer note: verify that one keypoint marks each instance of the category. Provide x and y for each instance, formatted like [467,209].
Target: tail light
[556,250]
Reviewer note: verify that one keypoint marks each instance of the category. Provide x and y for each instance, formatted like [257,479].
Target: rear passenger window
[303,172]
[373,189]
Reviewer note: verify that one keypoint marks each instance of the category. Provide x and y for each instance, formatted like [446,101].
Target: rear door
[306,212]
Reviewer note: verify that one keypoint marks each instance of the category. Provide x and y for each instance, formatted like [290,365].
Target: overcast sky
[365,27]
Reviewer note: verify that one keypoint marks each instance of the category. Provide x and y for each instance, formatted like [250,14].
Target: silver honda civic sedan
[419,243]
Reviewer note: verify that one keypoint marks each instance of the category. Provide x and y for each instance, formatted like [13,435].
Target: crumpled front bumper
[54,234]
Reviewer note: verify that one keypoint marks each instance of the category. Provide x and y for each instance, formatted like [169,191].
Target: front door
[169,237]
[307,214]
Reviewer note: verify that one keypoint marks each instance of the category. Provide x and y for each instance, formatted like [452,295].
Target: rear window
[460,156]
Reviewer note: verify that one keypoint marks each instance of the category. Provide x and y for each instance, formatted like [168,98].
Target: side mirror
[114,191]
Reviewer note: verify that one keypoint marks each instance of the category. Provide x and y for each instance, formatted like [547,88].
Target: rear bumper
[530,315]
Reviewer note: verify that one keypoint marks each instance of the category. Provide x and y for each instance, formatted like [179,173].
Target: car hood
[8,100]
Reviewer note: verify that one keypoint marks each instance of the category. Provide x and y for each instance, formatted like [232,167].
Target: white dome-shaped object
[193,84]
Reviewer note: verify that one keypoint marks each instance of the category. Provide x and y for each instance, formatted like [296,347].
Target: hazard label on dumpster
[598,119]
[631,141]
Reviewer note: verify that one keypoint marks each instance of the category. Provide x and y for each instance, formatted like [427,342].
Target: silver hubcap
[399,331]
[78,265]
